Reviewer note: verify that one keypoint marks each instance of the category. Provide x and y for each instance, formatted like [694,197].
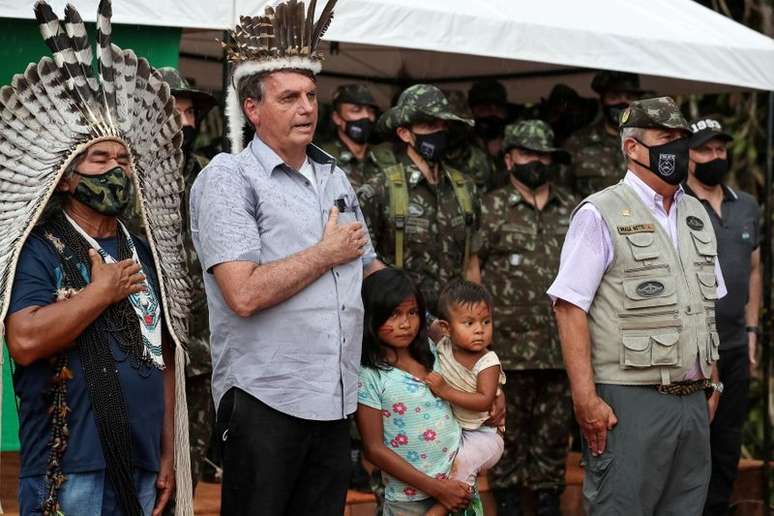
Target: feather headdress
[52,113]
[286,37]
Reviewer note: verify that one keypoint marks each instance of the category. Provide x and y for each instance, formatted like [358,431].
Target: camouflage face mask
[108,193]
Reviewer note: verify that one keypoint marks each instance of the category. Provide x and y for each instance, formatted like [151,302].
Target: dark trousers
[275,464]
[726,429]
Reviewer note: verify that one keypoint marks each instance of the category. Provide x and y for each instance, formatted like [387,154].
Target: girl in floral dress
[408,433]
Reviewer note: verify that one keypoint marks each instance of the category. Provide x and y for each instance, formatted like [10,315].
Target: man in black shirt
[736,219]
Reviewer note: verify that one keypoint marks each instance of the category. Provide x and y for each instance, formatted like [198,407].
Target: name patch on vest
[650,288]
[636,228]
[694,223]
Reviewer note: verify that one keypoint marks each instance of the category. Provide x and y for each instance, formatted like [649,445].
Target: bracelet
[753,329]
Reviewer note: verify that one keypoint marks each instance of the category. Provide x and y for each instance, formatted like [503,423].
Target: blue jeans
[86,494]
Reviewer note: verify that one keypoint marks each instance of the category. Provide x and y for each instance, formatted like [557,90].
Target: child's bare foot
[437,510]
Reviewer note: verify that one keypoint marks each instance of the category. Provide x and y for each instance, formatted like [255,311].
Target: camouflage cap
[706,129]
[608,80]
[655,113]
[179,87]
[533,135]
[458,102]
[354,94]
[416,103]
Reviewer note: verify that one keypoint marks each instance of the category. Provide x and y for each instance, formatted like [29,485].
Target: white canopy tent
[678,46]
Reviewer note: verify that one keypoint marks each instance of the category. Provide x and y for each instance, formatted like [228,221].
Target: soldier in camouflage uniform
[597,161]
[423,214]
[192,106]
[463,154]
[522,229]
[354,115]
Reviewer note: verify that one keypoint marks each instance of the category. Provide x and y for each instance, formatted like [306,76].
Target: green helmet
[354,94]
[419,102]
[533,135]
[655,113]
[179,87]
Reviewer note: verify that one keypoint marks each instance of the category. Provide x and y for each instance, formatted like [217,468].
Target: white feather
[236,120]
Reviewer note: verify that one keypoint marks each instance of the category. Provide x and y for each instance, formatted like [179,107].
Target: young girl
[408,433]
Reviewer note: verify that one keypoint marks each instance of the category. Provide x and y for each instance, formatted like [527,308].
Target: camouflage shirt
[519,255]
[597,161]
[435,227]
[199,359]
[475,162]
[347,161]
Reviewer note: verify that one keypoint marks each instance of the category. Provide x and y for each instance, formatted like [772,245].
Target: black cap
[487,91]
[608,80]
[705,129]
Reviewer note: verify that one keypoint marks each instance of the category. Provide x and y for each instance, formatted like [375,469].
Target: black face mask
[534,174]
[613,112]
[668,161]
[189,135]
[359,130]
[432,147]
[712,172]
[489,127]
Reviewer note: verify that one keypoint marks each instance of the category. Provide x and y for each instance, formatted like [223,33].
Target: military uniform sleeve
[476,240]
[485,231]
[371,199]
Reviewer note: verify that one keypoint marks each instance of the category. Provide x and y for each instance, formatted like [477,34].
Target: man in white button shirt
[634,303]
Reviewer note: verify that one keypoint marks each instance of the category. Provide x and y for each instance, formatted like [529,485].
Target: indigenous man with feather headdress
[95,316]
[280,236]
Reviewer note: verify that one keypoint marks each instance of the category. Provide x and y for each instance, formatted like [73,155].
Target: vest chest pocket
[713,346]
[705,246]
[650,350]
[417,229]
[646,292]
[515,238]
[641,246]
[708,283]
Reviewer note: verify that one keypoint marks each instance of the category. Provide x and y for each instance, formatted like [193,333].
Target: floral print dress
[416,425]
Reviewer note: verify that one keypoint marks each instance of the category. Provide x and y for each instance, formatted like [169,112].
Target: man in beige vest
[634,302]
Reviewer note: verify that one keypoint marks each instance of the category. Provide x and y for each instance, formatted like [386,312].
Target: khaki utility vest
[654,311]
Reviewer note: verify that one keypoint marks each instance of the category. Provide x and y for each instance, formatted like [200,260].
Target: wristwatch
[717,387]
[753,329]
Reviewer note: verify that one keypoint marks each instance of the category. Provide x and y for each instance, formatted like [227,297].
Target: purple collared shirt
[588,250]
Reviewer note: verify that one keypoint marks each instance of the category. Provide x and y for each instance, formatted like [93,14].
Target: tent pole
[767,301]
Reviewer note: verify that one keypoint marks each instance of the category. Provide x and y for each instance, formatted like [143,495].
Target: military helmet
[533,135]
[655,113]
[608,80]
[354,94]
[179,87]
[417,103]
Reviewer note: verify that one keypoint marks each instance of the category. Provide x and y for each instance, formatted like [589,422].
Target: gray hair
[251,87]
[630,132]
